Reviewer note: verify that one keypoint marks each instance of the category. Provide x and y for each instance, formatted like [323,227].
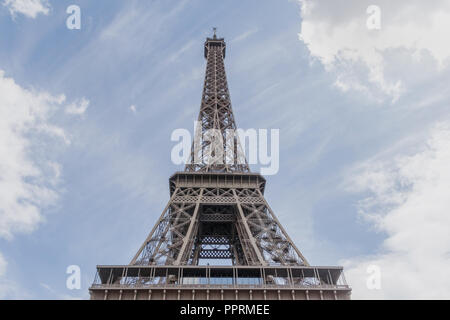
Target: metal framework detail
[217,211]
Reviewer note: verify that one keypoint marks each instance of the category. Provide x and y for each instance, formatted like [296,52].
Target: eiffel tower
[217,211]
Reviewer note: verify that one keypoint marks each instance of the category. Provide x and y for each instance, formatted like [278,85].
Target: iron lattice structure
[228,221]
[217,211]
[215,147]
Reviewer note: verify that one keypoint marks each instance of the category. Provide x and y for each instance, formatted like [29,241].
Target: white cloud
[133,108]
[27,176]
[59,296]
[4,286]
[8,288]
[245,35]
[78,107]
[178,54]
[409,202]
[411,43]
[29,8]
[2,265]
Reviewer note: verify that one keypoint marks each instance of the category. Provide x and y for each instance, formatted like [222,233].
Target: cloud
[8,288]
[411,44]
[29,8]
[2,265]
[408,201]
[78,107]
[4,286]
[133,108]
[58,295]
[245,35]
[178,54]
[28,178]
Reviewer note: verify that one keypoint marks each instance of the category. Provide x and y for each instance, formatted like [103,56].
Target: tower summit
[217,237]
[213,150]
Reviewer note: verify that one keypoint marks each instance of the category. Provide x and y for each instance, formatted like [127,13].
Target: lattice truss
[216,146]
[218,223]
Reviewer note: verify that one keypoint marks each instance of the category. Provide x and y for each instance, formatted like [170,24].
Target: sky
[86,117]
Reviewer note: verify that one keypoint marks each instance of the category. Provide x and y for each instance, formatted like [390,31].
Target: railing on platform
[132,276]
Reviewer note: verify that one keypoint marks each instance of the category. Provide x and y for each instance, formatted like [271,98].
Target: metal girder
[217,210]
[217,201]
[216,147]
[238,218]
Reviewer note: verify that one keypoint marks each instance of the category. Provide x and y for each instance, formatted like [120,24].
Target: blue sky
[363,126]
